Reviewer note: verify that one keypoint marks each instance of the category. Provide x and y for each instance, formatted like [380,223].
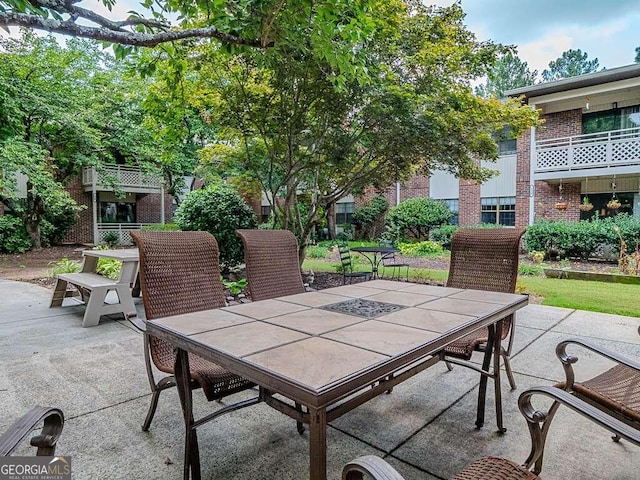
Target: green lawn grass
[602,297]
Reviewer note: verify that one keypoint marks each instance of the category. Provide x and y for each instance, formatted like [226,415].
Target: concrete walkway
[425,428]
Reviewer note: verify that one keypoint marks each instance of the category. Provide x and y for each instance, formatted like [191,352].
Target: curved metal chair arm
[568,360]
[539,421]
[371,465]
[45,441]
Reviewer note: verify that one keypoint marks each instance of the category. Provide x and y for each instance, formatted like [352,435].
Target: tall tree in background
[508,72]
[637,59]
[570,64]
[307,144]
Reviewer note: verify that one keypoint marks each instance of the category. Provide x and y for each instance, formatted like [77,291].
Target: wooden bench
[93,290]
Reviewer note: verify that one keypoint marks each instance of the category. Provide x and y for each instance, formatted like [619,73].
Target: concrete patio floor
[425,427]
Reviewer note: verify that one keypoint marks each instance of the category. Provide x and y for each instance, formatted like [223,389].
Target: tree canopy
[508,72]
[570,64]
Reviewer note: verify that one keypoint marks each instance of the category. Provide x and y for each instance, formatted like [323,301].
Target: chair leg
[507,367]
[449,365]
[152,410]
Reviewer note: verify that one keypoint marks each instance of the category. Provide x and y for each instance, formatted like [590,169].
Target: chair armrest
[539,421]
[371,465]
[568,360]
[46,441]
[137,322]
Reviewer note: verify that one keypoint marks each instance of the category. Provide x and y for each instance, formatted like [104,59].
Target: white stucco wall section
[443,185]
[504,184]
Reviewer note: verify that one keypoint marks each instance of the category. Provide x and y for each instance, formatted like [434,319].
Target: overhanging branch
[123,37]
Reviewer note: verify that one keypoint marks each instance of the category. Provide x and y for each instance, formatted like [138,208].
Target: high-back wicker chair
[272,263]
[180,273]
[485,259]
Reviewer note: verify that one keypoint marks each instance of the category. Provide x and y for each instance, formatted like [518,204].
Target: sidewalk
[424,428]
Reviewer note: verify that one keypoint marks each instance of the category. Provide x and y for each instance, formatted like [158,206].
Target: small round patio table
[371,254]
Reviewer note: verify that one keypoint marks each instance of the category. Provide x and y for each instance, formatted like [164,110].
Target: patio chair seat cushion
[493,468]
[465,347]
[617,389]
[216,382]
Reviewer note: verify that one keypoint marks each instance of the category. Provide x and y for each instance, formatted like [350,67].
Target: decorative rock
[230,299]
[241,296]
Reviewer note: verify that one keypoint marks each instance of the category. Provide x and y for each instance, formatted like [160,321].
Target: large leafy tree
[325,27]
[508,72]
[637,57]
[570,64]
[284,126]
[63,107]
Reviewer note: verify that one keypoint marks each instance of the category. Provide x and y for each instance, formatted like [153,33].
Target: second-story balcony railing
[122,177]
[590,155]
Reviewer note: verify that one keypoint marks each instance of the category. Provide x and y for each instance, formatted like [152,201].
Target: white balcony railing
[593,154]
[120,176]
[122,230]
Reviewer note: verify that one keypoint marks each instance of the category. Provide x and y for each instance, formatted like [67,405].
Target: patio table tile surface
[426,319]
[199,322]
[409,299]
[463,307]
[266,309]
[381,337]
[312,368]
[234,339]
[314,322]
[354,291]
[430,290]
[488,297]
[314,299]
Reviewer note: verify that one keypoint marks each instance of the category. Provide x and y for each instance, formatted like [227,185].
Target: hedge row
[582,239]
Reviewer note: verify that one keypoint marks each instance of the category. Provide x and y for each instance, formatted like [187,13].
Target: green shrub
[444,234]
[13,235]
[160,227]
[220,210]
[63,266]
[581,239]
[317,251]
[235,287]
[365,217]
[56,223]
[417,216]
[111,239]
[533,270]
[420,249]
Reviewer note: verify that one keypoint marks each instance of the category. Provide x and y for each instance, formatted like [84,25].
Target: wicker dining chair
[610,399]
[180,273]
[485,259]
[272,263]
[347,265]
[52,420]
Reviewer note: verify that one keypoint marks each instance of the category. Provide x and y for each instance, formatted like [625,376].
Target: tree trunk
[32,225]
[331,220]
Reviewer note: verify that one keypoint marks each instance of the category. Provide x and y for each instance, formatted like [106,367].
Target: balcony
[120,177]
[592,155]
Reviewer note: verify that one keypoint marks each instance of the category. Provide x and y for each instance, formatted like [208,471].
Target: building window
[600,200]
[453,205]
[500,210]
[344,212]
[608,120]
[265,211]
[117,212]
[506,143]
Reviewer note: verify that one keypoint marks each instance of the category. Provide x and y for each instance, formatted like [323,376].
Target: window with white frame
[499,210]
[344,212]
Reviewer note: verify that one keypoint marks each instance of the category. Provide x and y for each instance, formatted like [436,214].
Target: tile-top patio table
[333,349]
